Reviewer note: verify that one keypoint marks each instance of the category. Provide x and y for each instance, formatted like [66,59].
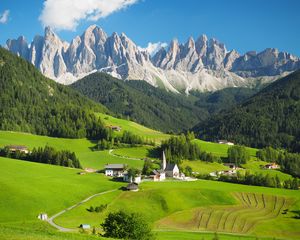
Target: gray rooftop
[115,166]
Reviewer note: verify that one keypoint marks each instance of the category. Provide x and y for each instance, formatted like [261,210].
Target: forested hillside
[270,118]
[141,102]
[155,107]
[32,103]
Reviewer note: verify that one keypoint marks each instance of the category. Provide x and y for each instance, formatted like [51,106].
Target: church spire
[164,161]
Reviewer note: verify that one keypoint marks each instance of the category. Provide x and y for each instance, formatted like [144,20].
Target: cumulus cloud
[4,16]
[153,48]
[66,14]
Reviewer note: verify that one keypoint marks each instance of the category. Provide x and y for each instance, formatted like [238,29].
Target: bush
[123,225]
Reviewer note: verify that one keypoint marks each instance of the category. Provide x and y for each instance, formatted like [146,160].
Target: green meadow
[134,128]
[82,147]
[177,210]
[200,206]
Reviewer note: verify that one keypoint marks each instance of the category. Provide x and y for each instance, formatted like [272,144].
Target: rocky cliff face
[204,64]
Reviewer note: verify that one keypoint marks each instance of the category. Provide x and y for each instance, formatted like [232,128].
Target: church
[171,169]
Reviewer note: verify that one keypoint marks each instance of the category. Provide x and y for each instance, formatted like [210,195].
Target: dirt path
[51,219]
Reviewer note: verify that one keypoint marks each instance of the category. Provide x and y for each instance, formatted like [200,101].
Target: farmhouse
[271,166]
[43,216]
[115,128]
[17,148]
[230,165]
[225,142]
[158,175]
[115,170]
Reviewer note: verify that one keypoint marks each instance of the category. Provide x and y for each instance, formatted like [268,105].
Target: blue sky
[240,24]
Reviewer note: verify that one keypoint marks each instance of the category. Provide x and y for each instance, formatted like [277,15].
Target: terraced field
[253,208]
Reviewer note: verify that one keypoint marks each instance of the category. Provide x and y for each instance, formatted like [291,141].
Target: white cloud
[4,16]
[153,48]
[66,14]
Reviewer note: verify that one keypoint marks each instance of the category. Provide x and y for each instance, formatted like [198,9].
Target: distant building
[158,175]
[115,128]
[85,226]
[171,169]
[227,172]
[225,142]
[167,170]
[115,170]
[137,179]
[43,216]
[18,148]
[271,166]
[230,165]
[132,187]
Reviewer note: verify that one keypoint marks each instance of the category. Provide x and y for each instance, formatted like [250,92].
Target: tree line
[126,139]
[47,155]
[178,148]
[289,162]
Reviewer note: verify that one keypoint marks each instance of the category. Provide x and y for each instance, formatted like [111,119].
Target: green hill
[271,117]
[32,103]
[143,103]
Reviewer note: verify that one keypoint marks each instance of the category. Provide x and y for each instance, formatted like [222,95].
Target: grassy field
[204,167]
[200,206]
[177,210]
[135,128]
[82,147]
[39,231]
[28,189]
[220,149]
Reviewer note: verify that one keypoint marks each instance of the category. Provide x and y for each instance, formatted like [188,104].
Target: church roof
[170,166]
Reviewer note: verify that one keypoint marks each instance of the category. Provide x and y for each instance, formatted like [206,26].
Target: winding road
[51,219]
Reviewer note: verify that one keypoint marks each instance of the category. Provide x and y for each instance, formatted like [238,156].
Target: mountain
[269,118]
[204,64]
[32,103]
[143,103]
[155,107]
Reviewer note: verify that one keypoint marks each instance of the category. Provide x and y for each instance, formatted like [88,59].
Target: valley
[132,133]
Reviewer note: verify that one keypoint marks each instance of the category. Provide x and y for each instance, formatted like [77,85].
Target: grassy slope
[134,128]
[28,189]
[82,148]
[159,200]
[156,201]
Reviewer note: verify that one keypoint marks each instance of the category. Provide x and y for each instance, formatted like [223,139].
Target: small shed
[43,216]
[132,187]
[85,226]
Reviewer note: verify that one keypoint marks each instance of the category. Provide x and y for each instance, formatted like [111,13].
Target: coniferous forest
[270,118]
[32,103]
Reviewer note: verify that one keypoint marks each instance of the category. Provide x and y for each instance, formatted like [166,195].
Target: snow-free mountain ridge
[202,64]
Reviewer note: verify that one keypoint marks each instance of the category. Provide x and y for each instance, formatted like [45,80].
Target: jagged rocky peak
[202,64]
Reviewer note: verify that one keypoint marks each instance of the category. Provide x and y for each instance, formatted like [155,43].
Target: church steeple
[163,161]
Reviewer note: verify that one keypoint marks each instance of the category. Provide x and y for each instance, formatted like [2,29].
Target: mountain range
[203,64]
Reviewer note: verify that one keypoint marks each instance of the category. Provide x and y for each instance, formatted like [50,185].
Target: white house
[226,142]
[137,179]
[158,175]
[43,216]
[85,226]
[114,170]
